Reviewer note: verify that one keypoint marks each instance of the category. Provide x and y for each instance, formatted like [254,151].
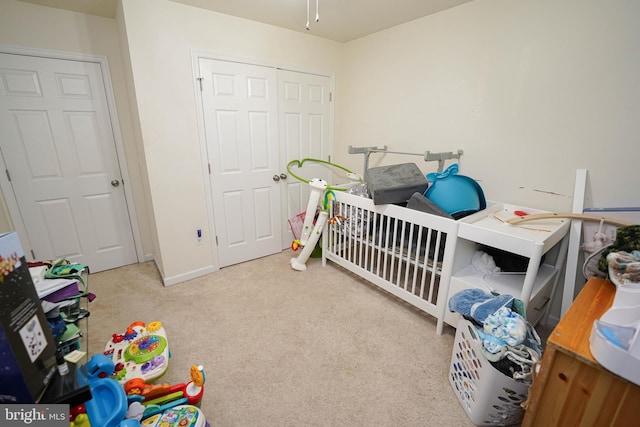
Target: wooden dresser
[572,388]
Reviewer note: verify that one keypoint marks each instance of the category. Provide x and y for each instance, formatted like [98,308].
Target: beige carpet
[288,348]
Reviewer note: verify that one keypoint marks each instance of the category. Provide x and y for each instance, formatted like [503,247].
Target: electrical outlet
[199,237]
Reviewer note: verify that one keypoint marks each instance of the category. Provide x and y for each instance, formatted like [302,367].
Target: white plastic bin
[489,397]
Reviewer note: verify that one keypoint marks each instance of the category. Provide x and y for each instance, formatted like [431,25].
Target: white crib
[403,251]
[423,258]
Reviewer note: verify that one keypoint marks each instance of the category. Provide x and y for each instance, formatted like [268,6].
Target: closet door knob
[115,183]
[276,178]
[283,176]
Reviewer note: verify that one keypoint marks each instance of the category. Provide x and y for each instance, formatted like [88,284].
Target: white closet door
[59,149]
[305,132]
[241,123]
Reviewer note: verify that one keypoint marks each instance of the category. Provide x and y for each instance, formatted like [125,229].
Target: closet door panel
[241,124]
[305,121]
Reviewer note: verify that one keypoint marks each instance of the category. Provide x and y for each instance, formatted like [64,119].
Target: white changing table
[534,239]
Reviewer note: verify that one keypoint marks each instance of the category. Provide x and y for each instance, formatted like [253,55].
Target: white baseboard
[169,281]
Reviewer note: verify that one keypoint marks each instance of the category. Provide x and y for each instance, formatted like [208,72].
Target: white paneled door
[256,120]
[305,133]
[240,113]
[59,150]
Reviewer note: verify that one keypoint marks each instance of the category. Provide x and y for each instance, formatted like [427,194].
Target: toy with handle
[317,188]
[310,233]
[157,398]
[299,263]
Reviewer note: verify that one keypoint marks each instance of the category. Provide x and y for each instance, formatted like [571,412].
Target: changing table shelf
[506,284]
[543,242]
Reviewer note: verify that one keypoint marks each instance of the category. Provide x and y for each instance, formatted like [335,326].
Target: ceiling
[340,20]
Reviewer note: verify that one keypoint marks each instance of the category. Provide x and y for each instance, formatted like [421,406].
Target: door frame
[7,188]
[196,55]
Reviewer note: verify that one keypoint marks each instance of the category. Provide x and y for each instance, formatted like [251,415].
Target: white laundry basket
[489,397]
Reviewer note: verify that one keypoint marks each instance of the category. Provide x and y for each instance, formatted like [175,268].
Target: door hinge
[216,240]
[199,79]
[33,255]
[330,96]
[209,167]
[8,175]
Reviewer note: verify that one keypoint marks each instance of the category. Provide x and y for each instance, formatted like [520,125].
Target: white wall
[161,36]
[531,90]
[37,27]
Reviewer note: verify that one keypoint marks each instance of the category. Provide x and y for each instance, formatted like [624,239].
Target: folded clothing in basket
[507,327]
[477,304]
[508,341]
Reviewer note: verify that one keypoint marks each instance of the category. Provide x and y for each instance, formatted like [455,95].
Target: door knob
[115,183]
[283,176]
[276,178]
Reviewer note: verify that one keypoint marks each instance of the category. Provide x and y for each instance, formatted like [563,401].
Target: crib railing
[403,251]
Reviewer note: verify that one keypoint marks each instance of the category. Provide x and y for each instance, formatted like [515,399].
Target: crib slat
[416,260]
[400,246]
[354,224]
[435,258]
[354,235]
[385,224]
[423,276]
[365,239]
[378,245]
[361,240]
[407,268]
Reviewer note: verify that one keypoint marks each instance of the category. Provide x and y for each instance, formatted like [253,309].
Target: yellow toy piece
[81,420]
[197,375]
[154,326]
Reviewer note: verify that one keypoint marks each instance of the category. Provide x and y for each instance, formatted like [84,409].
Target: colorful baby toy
[137,403]
[178,416]
[157,397]
[141,352]
[121,384]
[167,405]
